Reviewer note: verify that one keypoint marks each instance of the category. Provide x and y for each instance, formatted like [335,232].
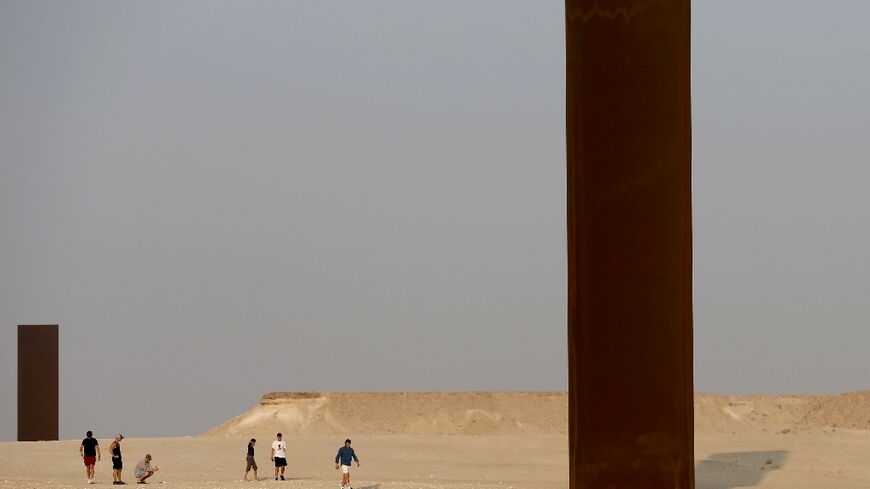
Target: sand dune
[523,413]
[850,410]
[716,413]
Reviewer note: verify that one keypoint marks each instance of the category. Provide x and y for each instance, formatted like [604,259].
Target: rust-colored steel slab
[37,382]
[629,244]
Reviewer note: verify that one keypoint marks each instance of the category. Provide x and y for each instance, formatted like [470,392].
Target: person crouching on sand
[344,456]
[144,469]
[90,453]
[250,463]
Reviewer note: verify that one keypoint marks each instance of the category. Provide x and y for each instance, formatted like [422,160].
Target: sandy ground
[830,460]
[400,461]
[823,460]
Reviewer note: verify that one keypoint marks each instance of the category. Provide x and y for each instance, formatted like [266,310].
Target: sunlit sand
[472,440]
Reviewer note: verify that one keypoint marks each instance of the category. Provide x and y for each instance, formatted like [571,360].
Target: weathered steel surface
[629,244]
[37,382]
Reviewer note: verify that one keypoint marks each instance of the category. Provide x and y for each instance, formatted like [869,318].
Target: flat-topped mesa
[429,413]
[318,394]
[271,397]
[522,413]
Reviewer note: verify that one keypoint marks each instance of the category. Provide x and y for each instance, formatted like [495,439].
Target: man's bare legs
[147,475]
[246,474]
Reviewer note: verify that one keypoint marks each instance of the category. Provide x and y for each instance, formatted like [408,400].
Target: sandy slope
[415,413]
[716,413]
[529,413]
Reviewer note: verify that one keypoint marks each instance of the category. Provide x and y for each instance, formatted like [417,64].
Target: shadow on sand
[737,469]
[375,486]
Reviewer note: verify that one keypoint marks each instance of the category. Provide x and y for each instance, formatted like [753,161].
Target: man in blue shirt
[343,459]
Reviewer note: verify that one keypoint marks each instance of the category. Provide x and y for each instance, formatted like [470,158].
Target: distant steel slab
[37,382]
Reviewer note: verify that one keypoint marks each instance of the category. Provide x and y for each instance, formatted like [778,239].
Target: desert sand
[474,440]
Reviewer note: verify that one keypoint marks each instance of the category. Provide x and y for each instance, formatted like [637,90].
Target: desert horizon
[592,207]
[472,439]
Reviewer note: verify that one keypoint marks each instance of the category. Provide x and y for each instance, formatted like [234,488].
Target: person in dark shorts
[250,463]
[343,460]
[279,456]
[117,462]
[90,453]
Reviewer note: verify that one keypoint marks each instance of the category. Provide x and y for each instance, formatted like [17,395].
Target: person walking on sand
[343,459]
[117,462]
[144,469]
[279,456]
[89,450]
[250,463]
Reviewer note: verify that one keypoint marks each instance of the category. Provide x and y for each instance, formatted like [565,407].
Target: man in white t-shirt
[279,456]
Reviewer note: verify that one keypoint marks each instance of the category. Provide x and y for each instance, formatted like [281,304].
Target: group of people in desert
[89,450]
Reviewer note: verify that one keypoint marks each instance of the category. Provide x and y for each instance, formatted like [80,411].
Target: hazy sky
[219,199]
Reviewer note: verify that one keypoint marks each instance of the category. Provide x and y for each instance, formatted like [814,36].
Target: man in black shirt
[250,462]
[117,462]
[90,453]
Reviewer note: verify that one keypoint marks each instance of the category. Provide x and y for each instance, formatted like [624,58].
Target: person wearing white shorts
[343,459]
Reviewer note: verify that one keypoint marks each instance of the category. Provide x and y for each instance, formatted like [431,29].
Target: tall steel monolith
[629,244]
